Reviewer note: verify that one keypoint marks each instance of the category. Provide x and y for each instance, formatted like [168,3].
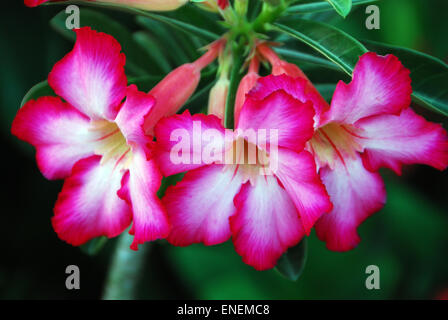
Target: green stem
[268,14]
[241,7]
[235,77]
[125,270]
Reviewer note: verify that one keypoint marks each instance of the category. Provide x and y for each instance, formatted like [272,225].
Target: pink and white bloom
[264,213]
[369,125]
[150,5]
[98,141]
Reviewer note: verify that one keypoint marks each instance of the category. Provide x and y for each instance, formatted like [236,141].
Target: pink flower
[264,213]
[151,5]
[98,143]
[369,125]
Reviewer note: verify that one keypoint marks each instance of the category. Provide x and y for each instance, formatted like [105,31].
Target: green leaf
[298,56]
[429,75]
[148,43]
[41,89]
[342,7]
[292,263]
[326,90]
[94,246]
[180,25]
[323,6]
[334,44]
[196,17]
[163,35]
[138,61]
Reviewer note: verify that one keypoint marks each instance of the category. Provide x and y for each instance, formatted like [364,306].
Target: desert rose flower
[150,5]
[308,92]
[265,213]
[370,125]
[98,144]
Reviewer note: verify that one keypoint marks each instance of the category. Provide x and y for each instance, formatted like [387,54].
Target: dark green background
[408,240]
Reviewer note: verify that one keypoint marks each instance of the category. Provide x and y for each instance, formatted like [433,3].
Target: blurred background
[407,240]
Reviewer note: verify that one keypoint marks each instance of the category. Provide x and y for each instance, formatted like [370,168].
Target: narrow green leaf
[148,43]
[429,75]
[326,90]
[322,6]
[334,44]
[298,56]
[41,89]
[190,26]
[342,7]
[198,17]
[94,246]
[292,263]
[180,25]
[163,35]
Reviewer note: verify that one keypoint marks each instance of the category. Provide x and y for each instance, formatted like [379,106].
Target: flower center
[249,160]
[111,144]
[335,142]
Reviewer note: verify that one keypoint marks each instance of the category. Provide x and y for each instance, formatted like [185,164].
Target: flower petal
[297,173]
[200,205]
[266,223]
[88,205]
[59,132]
[139,188]
[380,85]
[91,77]
[34,3]
[131,117]
[182,140]
[356,194]
[392,141]
[279,111]
[300,88]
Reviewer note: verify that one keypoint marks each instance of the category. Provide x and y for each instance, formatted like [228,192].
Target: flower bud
[150,5]
[218,98]
[178,86]
[280,66]
[209,5]
[172,93]
[223,4]
[247,83]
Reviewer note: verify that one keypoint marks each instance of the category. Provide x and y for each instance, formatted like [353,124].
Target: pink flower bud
[223,4]
[280,66]
[177,87]
[150,5]
[209,5]
[218,98]
[172,93]
[247,83]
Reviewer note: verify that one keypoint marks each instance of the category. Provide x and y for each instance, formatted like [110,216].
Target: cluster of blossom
[113,144]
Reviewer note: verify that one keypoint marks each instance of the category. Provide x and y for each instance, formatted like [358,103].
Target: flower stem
[235,77]
[268,14]
[125,270]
